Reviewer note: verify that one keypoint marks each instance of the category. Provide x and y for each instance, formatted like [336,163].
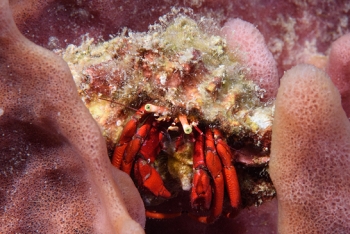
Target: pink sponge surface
[55,172]
[248,44]
[310,154]
[338,68]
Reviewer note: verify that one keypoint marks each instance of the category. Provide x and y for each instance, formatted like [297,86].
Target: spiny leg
[231,179]
[127,134]
[130,130]
[134,146]
[215,168]
[201,193]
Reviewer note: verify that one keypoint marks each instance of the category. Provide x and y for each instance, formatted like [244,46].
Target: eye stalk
[186,127]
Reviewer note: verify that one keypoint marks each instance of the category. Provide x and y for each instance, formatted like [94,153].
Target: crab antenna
[187,128]
[131,108]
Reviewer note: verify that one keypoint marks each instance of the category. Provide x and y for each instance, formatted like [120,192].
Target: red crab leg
[145,174]
[126,136]
[130,130]
[230,174]
[156,215]
[215,168]
[201,189]
[151,147]
[134,146]
[150,178]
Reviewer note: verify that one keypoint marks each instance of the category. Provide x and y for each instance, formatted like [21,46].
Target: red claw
[201,190]
[149,178]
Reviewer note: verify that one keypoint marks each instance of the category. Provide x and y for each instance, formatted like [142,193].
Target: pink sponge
[338,68]
[56,176]
[310,154]
[249,46]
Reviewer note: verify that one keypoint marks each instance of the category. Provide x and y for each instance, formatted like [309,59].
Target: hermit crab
[208,153]
[166,102]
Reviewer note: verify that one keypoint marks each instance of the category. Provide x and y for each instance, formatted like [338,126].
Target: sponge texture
[310,154]
[55,172]
[338,68]
[248,44]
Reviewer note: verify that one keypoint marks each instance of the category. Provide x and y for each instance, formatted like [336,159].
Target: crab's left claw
[201,190]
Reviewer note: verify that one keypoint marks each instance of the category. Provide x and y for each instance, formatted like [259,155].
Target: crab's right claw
[148,177]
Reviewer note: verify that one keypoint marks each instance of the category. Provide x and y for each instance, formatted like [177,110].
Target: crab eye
[148,107]
[187,129]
